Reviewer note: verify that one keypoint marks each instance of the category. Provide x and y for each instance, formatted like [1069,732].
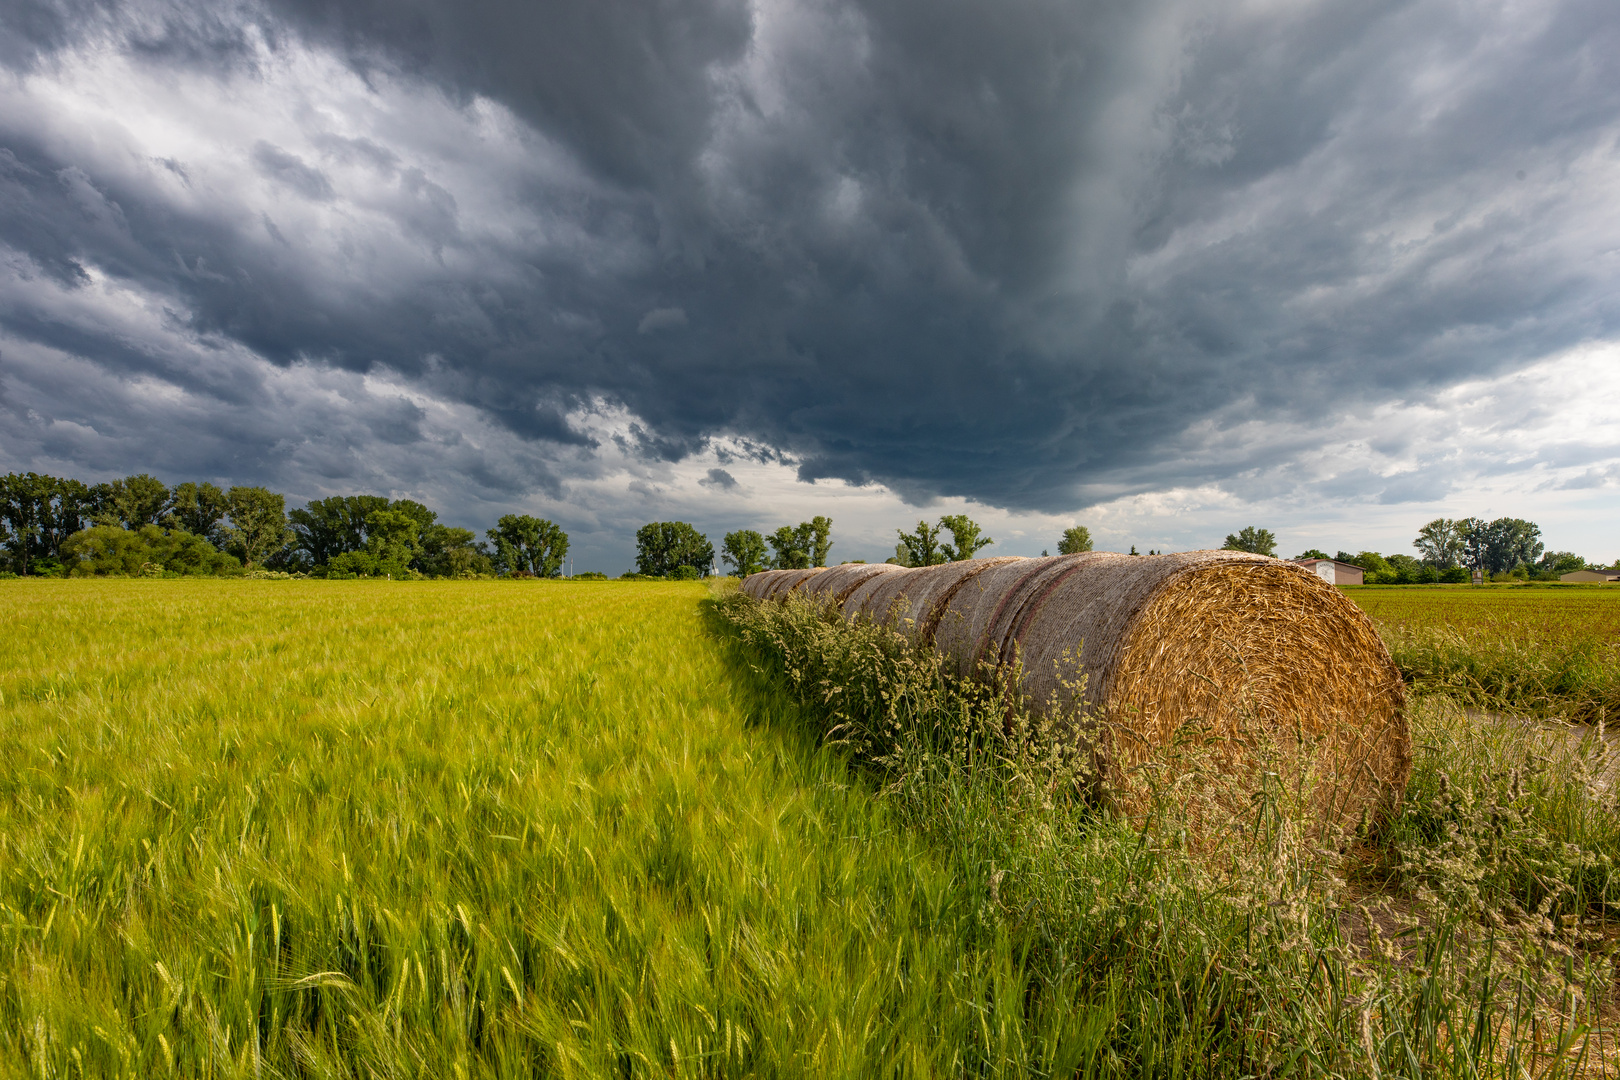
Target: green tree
[258,523]
[744,550]
[1554,564]
[132,502]
[792,549]
[529,544]
[1312,553]
[1508,543]
[820,538]
[920,547]
[662,547]
[1441,543]
[40,513]
[327,528]
[448,552]
[1474,539]
[1074,540]
[966,540]
[129,503]
[197,509]
[1251,539]
[803,546]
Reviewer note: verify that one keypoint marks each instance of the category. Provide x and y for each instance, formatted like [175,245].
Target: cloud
[1029,257]
[719,478]
[289,169]
[661,319]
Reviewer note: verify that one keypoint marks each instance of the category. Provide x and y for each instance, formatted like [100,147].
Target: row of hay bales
[1263,668]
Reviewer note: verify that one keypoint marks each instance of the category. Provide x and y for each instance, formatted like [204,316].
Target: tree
[1509,543]
[449,552]
[801,547]
[1251,539]
[920,547]
[1554,564]
[965,538]
[258,526]
[1473,533]
[1074,540]
[132,502]
[662,547]
[820,538]
[40,513]
[1409,571]
[791,549]
[744,550]
[1312,553]
[327,528]
[530,544]
[197,509]
[1441,543]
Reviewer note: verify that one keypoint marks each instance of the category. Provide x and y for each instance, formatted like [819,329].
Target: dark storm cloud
[1014,251]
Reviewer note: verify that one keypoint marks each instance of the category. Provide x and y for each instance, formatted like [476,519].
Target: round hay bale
[758,585]
[777,584]
[840,581]
[1253,666]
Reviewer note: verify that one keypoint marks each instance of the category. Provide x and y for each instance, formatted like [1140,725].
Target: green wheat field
[459,829]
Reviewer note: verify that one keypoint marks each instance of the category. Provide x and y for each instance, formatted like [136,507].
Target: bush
[685,573]
[107,550]
[590,575]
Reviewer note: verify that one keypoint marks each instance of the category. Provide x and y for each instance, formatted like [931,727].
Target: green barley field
[458,829]
[492,829]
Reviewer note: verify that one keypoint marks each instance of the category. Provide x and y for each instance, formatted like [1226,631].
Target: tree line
[1449,550]
[55,526]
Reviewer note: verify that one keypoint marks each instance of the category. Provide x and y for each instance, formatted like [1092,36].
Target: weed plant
[1455,940]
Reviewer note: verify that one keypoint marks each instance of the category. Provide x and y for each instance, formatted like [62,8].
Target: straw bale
[776,584]
[839,581]
[1275,670]
[758,585]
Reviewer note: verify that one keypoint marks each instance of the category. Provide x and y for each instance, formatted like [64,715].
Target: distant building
[1334,572]
[1590,574]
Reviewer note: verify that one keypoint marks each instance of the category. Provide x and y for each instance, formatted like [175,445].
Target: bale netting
[1209,674]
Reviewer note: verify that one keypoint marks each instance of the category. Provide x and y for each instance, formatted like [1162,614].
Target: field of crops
[1541,650]
[278,828]
[361,828]
[1548,613]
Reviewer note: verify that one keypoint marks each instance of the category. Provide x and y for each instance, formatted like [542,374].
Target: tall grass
[1258,956]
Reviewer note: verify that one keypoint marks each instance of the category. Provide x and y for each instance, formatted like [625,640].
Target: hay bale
[836,585]
[776,584]
[1275,670]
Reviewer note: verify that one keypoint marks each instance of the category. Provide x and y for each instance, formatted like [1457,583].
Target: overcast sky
[1162,267]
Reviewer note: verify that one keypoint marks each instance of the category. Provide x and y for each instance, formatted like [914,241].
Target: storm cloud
[1033,254]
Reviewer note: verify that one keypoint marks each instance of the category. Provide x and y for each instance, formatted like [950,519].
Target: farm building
[1590,574]
[1334,572]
